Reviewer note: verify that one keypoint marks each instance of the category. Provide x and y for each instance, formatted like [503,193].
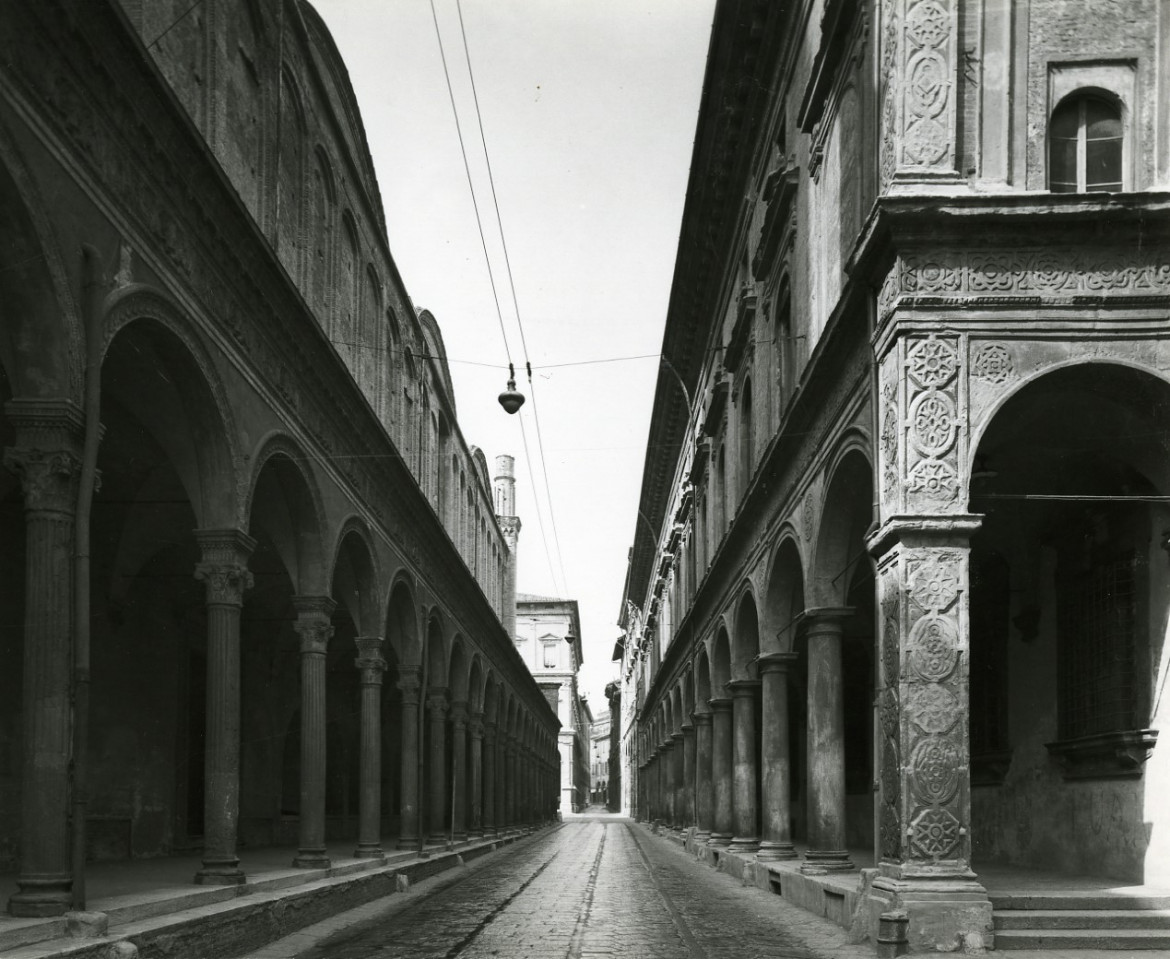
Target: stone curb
[254,917]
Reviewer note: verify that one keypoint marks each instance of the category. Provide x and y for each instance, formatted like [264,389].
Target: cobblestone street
[591,888]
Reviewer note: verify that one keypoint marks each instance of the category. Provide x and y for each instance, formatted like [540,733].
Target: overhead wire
[515,303]
[470,183]
[487,257]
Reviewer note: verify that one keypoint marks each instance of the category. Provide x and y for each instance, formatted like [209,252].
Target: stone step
[1077,900]
[1131,939]
[1039,919]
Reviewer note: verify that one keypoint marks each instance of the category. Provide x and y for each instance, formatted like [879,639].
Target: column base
[701,836]
[775,851]
[311,859]
[477,834]
[407,843]
[369,851]
[720,839]
[40,898]
[817,862]
[745,845]
[227,873]
[944,914]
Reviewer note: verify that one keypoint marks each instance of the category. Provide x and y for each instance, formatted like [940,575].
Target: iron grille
[1095,660]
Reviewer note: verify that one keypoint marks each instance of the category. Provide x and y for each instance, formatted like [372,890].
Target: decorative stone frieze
[1010,274]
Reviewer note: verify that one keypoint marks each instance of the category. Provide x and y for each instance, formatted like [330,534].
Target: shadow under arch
[1067,623]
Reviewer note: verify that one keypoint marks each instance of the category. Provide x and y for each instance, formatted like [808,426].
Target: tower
[504,487]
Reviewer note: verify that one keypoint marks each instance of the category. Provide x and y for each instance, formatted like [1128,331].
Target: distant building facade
[278,619]
[599,760]
[898,585]
[548,638]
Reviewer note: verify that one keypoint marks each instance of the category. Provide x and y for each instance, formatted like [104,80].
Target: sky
[588,110]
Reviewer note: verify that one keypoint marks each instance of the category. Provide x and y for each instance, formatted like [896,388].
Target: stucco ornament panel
[935,833]
[932,363]
[1052,273]
[927,84]
[934,766]
[933,648]
[933,707]
[934,581]
[993,364]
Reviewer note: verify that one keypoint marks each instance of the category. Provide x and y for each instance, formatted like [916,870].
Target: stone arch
[985,414]
[41,339]
[322,206]
[745,635]
[491,697]
[702,679]
[215,450]
[687,693]
[354,574]
[291,508]
[720,663]
[459,666]
[784,600]
[476,679]
[290,176]
[435,653]
[1066,599]
[347,286]
[401,620]
[846,515]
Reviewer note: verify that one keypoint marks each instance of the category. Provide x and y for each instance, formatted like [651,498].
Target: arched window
[1085,139]
[747,436]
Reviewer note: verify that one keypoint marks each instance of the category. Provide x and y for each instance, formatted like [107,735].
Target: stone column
[490,777]
[459,770]
[408,821]
[224,572]
[437,763]
[745,771]
[688,765]
[826,742]
[46,458]
[677,762]
[924,810]
[704,791]
[513,782]
[476,731]
[372,665]
[314,627]
[777,772]
[721,771]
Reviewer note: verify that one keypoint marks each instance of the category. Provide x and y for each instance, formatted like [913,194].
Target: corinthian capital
[48,477]
[314,622]
[223,568]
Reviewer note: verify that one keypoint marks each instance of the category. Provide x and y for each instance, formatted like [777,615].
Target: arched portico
[1069,598]
[783,744]
[840,683]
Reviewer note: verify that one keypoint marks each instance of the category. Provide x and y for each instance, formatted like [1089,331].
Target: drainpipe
[92,411]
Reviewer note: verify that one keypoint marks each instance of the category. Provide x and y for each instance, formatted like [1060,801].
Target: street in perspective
[625,478]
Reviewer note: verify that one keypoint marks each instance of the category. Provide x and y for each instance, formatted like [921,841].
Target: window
[1085,146]
[550,655]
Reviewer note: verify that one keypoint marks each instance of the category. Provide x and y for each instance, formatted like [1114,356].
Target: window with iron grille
[1096,652]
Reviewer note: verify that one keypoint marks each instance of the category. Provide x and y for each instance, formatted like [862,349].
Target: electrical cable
[515,299]
[174,23]
[471,184]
